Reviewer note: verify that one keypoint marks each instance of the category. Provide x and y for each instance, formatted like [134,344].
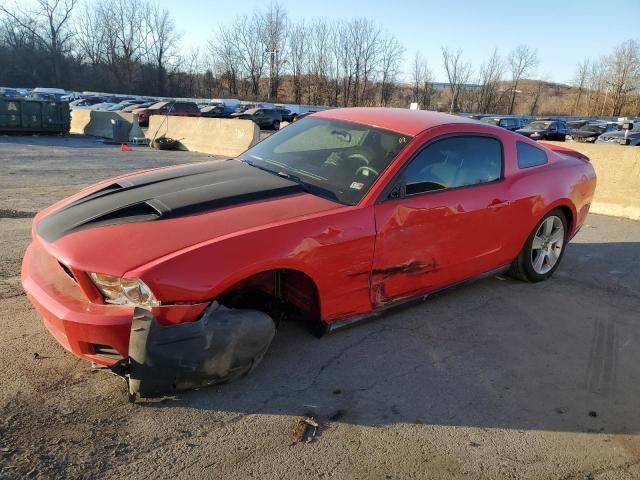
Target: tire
[551,244]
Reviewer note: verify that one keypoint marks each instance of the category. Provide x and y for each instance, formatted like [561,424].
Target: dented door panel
[425,242]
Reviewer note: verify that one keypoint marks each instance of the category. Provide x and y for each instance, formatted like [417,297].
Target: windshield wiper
[249,162]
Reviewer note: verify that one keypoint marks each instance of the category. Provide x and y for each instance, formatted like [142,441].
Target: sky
[564,32]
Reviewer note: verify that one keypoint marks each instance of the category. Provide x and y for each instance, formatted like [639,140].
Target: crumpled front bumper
[223,345]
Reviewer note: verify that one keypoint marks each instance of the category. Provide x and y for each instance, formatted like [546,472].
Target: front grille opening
[67,271]
[106,351]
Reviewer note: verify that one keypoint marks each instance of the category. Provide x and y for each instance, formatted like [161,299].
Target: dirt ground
[495,380]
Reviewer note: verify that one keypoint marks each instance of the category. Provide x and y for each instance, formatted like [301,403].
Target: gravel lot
[498,379]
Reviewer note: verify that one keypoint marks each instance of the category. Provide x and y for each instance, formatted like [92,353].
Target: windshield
[492,121]
[331,158]
[594,128]
[538,126]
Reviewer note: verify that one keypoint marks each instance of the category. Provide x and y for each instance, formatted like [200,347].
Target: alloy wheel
[547,245]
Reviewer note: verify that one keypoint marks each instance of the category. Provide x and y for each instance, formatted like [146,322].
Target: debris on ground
[593,413]
[305,429]
[165,143]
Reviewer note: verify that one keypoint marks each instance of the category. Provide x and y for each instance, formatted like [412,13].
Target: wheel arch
[569,211]
[279,291]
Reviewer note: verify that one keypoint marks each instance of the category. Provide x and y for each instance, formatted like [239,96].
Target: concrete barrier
[618,170]
[217,136]
[97,123]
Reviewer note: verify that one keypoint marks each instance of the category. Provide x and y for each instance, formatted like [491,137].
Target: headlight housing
[124,291]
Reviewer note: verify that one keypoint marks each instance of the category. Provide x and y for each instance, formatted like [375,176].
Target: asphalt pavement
[496,379]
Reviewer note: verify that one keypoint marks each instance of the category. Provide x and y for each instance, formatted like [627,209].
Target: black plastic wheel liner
[222,346]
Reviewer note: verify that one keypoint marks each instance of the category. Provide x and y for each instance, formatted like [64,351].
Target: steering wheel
[365,169]
[361,154]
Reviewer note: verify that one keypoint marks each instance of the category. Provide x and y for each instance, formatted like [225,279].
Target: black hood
[163,194]
[584,133]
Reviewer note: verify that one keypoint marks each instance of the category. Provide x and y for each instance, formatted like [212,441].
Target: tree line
[119,46]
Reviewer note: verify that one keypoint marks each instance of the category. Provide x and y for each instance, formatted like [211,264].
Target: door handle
[497,203]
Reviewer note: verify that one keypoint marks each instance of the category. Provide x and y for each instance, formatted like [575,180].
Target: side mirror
[399,191]
[627,126]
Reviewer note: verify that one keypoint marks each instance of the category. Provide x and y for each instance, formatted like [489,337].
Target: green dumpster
[34,116]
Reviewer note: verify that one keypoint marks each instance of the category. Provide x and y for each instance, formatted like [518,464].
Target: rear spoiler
[565,152]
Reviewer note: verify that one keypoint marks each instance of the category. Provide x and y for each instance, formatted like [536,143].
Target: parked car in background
[86,102]
[9,93]
[354,211]
[133,107]
[176,109]
[286,114]
[589,132]
[509,123]
[102,106]
[303,115]
[263,117]
[575,124]
[545,130]
[633,136]
[217,111]
[48,93]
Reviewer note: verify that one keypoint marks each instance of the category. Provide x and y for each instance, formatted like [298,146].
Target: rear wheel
[543,250]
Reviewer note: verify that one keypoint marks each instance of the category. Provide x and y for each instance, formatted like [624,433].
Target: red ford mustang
[177,277]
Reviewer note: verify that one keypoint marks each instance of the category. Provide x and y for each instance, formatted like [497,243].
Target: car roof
[405,121]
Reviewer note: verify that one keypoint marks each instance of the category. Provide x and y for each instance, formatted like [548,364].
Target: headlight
[124,291]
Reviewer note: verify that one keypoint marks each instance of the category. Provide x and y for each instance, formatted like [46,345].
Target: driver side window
[454,162]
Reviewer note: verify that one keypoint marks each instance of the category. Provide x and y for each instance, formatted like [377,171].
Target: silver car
[616,137]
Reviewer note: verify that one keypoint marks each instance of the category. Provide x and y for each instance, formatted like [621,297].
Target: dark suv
[180,109]
[509,123]
[545,130]
[263,117]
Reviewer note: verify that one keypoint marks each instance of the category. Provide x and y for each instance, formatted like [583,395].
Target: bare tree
[422,82]
[488,94]
[391,57]
[596,86]
[225,53]
[49,22]
[521,62]
[319,56]
[274,30]
[251,51]
[458,73]
[624,74]
[580,82]
[298,51]
[163,39]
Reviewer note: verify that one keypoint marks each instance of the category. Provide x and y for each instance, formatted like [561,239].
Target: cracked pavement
[496,379]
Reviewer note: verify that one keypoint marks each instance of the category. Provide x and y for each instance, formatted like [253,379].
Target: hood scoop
[166,193]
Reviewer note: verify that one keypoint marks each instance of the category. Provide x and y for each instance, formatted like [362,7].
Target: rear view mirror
[343,135]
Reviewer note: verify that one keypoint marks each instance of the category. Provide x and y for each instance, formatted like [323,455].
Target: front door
[446,225]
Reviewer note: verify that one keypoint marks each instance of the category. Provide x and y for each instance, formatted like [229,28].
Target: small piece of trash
[561,411]
[593,413]
[36,355]
[305,430]
[4,449]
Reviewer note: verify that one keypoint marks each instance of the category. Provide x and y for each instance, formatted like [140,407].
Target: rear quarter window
[529,156]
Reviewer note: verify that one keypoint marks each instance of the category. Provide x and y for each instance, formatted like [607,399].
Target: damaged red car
[178,277]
